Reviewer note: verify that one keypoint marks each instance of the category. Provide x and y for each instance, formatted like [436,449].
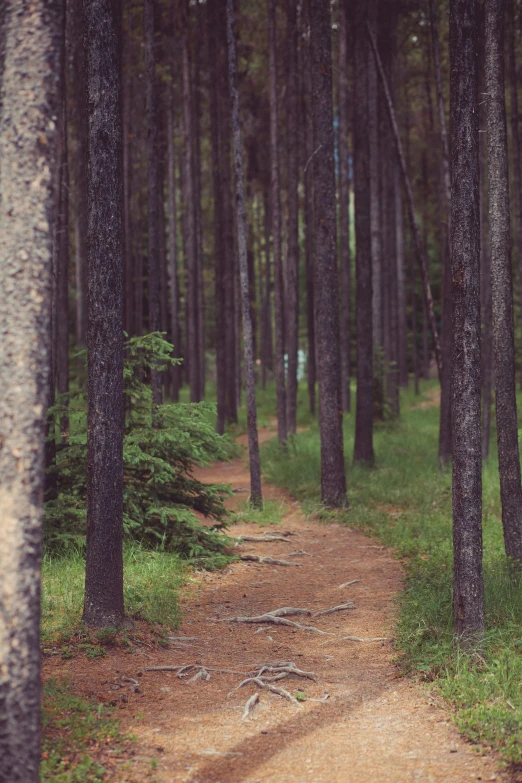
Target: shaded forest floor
[375,724]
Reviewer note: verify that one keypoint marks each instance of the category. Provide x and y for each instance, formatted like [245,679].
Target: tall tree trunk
[515,140]
[374,185]
[421,255]
[127,185]
[308,139]
[501,283]
[333,479]
[78,97]
[292,263]
[401,282]
[62,282]
[103,603]
[173,231]
[344,206]
[485,304]
[282,430]
[153,192]
[191,259]
[197,203]
[468,589]
[250,377]
[363,449]
[31,36]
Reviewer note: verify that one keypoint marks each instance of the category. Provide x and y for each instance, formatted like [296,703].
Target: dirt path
[373,727]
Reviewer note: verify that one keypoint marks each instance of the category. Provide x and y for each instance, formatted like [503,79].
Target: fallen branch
[250,705]
[268,560]
[347,584]
[340,608]
[270,618]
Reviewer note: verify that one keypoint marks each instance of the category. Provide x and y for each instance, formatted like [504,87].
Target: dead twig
[250,705]
[340,608]
[347,584]
[268,560]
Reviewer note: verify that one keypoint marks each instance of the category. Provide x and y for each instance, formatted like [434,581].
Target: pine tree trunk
[62,282]
[515,140]
[153,192]
[173,234]
[485,280]
[200,293]
[308,139]
[501,283]
[103,604]
[401,282]
[344,206]
[363,448]
[333,479]
[468,590]
[250,377]
[31,37]
[279,298]
[127,185]
[78,135]
[292,263]
[421,255]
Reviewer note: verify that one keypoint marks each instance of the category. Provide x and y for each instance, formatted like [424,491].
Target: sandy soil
[374,726]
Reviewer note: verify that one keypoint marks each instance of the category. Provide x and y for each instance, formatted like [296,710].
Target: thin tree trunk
[154,201]
[501,283]
[363,449]
[468,589]
[62,282]
[344,206]
[292,263]
[421,255]
[311,365]
[173,232]
[127,186]
[200,294]
[31,37]
[103,602]
[333,479]
[250,377]
[485,303]
[515,140]
[282,430]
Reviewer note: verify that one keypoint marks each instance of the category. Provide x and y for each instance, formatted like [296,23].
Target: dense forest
[221,219]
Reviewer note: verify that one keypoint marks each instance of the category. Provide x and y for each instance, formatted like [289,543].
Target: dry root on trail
[250,705]
[347,584]
[267,674]
[340,608]
[201,672]
[274,620]
[266,560]
[262,539]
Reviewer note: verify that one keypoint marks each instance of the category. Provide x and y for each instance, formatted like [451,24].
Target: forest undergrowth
[405,502]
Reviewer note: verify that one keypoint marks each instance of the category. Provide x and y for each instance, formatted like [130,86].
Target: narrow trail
[374,726]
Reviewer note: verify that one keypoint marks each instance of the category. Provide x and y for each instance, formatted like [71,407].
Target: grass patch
[153,580]
[80,738]
[272,513]
[405,502]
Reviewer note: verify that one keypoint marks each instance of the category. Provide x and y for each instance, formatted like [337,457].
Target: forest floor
[374,725]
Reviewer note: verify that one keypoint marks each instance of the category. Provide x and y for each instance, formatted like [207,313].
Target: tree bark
[333,479]
[282,430]
[256,497]
[292,263]
[401,282]
[62,283]
[311,365]
[103,604]
[468,590]
[175,334]
[31,36]
[421,255]
[153,248]
[363,449]
[501,283]
[344,206]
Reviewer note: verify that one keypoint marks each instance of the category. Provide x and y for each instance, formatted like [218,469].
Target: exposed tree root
[185,670]
[322,699]
[202,674]
[261,539]
[270,618]
[351,582]
[250,705]
[369,639]
[288,611]
[340,608]
[268,560]
[299,552]
[267,686]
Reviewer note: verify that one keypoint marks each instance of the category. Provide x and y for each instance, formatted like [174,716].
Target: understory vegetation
[405,502]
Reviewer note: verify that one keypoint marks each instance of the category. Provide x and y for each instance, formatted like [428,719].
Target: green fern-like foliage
[162,446]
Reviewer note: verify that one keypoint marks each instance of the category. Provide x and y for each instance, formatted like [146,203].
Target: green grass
[272,513]
[152,583]
[405,502]
[76,735]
